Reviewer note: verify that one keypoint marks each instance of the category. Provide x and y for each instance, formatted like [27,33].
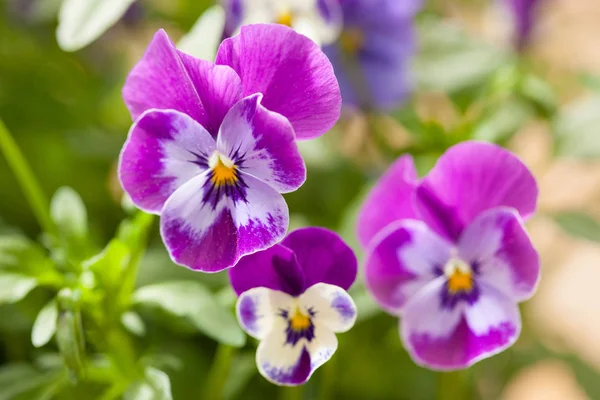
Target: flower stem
[30,186]
[454,385]
[219,372]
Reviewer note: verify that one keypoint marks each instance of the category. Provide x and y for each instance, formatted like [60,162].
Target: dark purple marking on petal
[449,300]
[443,216]
[295,375]
[294,335]
[247,313]
[214,192]
[291,276]
[343,307]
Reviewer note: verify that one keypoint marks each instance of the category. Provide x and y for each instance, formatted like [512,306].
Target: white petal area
[312,25]
[280,362]
[322,347]
[202,41]
[257,309]
[333,307]
[424,314]
[425,250]
[494,312]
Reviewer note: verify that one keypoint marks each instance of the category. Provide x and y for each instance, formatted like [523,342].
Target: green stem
[454,385]
[30,186]
[219,372]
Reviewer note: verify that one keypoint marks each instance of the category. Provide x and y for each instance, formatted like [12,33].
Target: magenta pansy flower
[292,297]
[449,253]
[213,145]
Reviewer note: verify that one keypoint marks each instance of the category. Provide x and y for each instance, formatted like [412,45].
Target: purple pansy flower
[372,56]
[449,253]
[293,299]
[320,20]
[213,145]
[523,14]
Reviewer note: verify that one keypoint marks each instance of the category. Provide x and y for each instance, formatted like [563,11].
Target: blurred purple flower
[319,20]
[372,56]
[523,13]
[213,145]
[293,299]
[450,254]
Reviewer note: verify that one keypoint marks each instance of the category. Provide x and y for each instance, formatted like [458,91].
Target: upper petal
[263,144]
[389,200]
[333,306]
[472,177]
[275,268]
[210,229]
[323,256]
[401,260]
[292,72]
[497,242]
[166,78]
[164,149]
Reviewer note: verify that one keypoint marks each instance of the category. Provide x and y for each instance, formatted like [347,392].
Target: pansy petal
[164,150]
[429,330]
[497,242]
[257,309]
[292,72]
[323,256]
[265,143]
[322,347]
[275,268]
[166,78]
[401,260]
[281,362]
[389,200]
[472,177]
[211,232]
[332,305]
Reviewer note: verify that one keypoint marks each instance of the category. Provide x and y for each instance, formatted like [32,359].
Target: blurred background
[64,110]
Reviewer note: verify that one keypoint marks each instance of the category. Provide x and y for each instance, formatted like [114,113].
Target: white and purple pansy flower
[320,20]
[292,297]
[213,145]
[449,253]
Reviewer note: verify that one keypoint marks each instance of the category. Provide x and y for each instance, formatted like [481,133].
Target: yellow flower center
[285,18]
[460,276]
[352,41]
[224,170]
[299,321]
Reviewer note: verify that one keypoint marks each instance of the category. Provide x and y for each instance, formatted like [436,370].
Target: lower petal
[401,259]
[496,241]
[332,305]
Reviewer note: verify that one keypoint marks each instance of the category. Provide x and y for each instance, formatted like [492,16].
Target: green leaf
[18,252]
[501,122]
[44,326]
[68,212]
[13,287]
[540,94]
[156,386]
[579,224]
[133,323]
[80,22]
[205,36]
[243,368]
[193,301]
[109,264]
[69,331]
[19,379]
[577,129]
[450,61]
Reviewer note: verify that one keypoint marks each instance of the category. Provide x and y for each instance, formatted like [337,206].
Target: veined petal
[292,73]
[164,150]
[275,268]
[389,200]
[431,333]
[401,260]
[472,177]
[262,144]
[333,306]
[323,256]
[257,309]
[166,78]
[499,245]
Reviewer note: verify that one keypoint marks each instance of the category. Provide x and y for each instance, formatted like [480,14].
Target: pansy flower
[320,20]
[372,55]
[449,253]
[213,145]
[292,297]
